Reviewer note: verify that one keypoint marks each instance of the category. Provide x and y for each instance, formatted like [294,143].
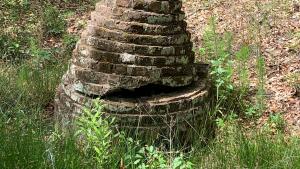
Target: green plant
[149,157]
[277,121]
[260,95]
[25,91]
[218,51]
[38,84]
[294,81]
[28,142]
[53,23]
[14,8]
[229,96]
[236,147]
[70,41]
[39,55]
[96,134]
[181,162]
[257,31]
[242,57]
[12,45]
[251,111]
[14,33]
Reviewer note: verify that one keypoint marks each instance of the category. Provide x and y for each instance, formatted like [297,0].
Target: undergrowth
[260,148]
[28,138]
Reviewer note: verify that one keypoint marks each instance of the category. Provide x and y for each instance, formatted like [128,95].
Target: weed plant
[229,97]
[107,147]
[53,22]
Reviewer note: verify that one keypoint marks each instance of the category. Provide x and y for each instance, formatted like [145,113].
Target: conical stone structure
[135,55]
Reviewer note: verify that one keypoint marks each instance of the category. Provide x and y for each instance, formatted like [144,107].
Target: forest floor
[280,43]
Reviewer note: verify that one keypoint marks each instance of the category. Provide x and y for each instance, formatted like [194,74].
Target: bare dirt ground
[279,21]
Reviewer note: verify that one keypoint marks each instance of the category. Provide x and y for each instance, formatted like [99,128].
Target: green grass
[234,148]
[27,144]
[28,87]
[31,142]
[26,130]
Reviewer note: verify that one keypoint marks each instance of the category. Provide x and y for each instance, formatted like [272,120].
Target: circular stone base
[131,110]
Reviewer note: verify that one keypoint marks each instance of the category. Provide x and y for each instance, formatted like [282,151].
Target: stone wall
[127,48]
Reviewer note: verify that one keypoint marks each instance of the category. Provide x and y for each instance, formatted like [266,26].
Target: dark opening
[143,92]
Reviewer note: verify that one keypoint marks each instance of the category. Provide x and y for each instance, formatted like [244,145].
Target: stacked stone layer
[129,44]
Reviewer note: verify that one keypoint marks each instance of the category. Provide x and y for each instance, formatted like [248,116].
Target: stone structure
[135,55]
